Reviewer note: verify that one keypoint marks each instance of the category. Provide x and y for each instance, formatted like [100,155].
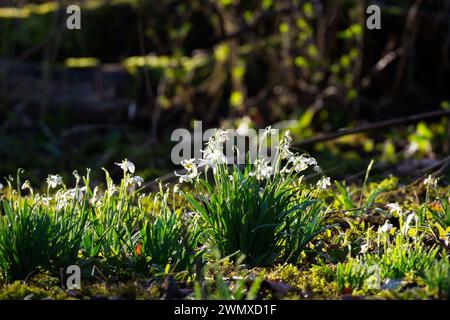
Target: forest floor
[267,231]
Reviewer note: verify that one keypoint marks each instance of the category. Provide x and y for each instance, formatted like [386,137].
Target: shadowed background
[139,69]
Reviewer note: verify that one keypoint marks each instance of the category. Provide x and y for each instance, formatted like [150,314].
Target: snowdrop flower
[430,182]
[317,169]
[285,170]
[75,193]
[405,227]
[311,161]
[299,164]
[112,189]
[44,200]
[184,178]
[215,142]
[95,200]
[189,165]
[77,176]
[54,180]
[364,248]
[394,208]
[191,171]
[1,187]
[212,159]
[222,135]
[26,185]
[324,183]
[62,202]
[265,171]
[127,166]
[133,182]
[386,227]
[213,153]
[262,169]
[285,144]
[136,181]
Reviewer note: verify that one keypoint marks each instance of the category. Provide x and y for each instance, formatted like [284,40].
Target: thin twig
[252,26]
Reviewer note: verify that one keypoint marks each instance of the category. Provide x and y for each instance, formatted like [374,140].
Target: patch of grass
[402,257]
[36,235]
[351,275]
[168,237]
[437,279]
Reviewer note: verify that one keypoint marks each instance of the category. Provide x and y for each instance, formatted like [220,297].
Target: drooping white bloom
[215,142]
[311,161]
[285,170]
[213,154]
[299,163]
[61,200]
[184,177]
[176,189]
[262,169]
[44,200]
[136,181]
[394,208]
[191,171]
[75,193]
[189,165]
[127,166]
[214,158]
[77,176]
[364,248]
[112,189]
[222,135]
[54,180]
[1,187]
[26,185]
[266,171]
[430,182]
[408,221]
[284,146]
[386,227]
[96,199]
[324,183]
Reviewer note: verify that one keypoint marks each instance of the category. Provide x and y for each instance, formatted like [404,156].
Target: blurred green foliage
[309,62]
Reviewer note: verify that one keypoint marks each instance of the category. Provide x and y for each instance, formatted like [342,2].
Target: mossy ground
[313,277]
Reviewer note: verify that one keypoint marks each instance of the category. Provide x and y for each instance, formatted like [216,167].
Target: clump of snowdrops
[261,213]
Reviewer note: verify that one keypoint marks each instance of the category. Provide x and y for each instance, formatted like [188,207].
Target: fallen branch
[374,126]
[443,164]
